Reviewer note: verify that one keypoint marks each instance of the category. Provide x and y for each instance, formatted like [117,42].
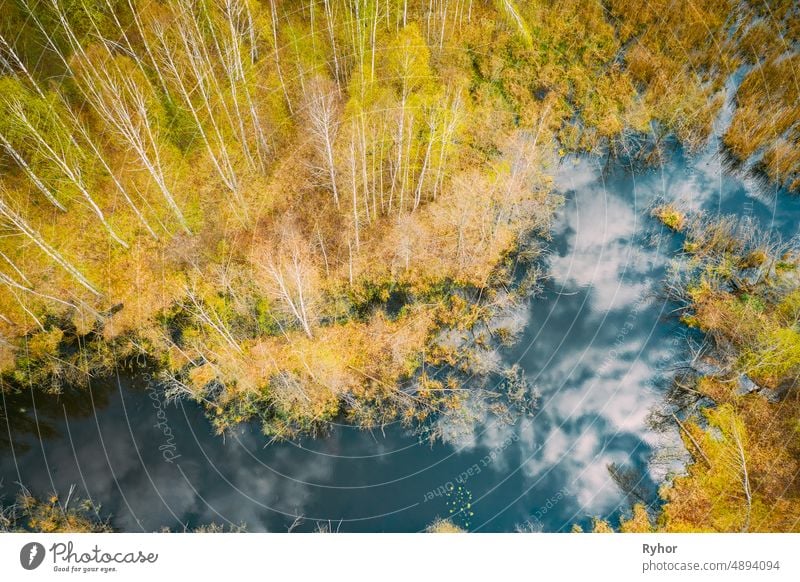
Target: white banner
[373,557]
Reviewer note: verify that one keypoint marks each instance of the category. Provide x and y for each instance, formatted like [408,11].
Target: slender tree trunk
[20,65]
[421,179]
[331,34]
[26,229]
[354,183]
[274,15]
[31,174]
[72,173]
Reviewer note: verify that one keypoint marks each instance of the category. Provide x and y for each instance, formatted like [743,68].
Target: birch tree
[192,67]
[354,184]
[56,149]
[22,226]
[287,270]
[276,51]
[323,117]
[121,103]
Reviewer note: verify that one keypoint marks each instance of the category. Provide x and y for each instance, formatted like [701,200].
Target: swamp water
[599,346]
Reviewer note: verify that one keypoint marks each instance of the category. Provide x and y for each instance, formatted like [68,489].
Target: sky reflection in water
[598,346]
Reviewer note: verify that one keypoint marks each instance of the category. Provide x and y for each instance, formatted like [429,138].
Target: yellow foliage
[670,216]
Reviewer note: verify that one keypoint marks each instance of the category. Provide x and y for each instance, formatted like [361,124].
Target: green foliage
[406,61]
[743,481]
[745,447]
[670,216]
[180,128]
[193,135]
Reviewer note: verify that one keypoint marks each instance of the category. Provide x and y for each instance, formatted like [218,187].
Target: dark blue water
[599,346]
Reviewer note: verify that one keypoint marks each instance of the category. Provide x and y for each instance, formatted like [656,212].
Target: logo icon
[31,555]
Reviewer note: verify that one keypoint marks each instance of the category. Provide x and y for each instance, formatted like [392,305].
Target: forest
[291,210]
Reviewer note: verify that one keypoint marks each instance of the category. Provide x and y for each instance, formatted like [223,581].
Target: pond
[599,346]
